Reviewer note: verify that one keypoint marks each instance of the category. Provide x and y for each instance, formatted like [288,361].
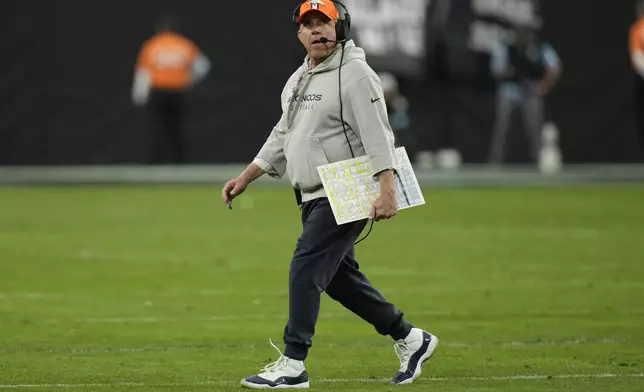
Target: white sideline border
[518,377]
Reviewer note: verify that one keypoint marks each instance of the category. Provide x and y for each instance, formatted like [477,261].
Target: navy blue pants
[324,260]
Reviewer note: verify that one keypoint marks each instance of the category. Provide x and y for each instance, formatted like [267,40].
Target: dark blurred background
[67,71]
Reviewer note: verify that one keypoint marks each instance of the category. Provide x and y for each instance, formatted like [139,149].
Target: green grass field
[163,288]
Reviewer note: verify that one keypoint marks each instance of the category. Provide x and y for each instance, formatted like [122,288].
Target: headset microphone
[324,40]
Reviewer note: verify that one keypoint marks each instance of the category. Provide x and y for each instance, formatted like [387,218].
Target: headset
[343,34]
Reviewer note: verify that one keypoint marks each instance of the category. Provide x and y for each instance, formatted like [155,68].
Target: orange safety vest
[168,57]
[636,38]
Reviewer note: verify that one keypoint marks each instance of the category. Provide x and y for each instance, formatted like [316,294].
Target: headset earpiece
[296,13]
[343,25]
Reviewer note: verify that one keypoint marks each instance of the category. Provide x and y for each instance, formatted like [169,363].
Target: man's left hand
[385,207]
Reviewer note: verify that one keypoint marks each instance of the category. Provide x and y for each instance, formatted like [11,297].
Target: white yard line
[373,380]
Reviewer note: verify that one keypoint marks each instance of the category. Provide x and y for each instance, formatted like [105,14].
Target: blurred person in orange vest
[636,44]
[168,65]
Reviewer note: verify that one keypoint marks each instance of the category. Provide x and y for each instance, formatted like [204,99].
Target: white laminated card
[351,187]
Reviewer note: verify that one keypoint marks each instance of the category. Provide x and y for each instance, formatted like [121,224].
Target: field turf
[145,288]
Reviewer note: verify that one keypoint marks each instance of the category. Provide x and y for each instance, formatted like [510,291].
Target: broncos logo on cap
[315,4]
[326,7]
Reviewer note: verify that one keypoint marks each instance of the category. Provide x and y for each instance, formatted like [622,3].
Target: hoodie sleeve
[271,157]
[366,114]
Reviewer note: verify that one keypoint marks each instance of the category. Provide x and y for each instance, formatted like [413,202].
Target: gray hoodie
[310,134]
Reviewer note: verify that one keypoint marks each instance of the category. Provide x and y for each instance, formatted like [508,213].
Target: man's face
[314,26]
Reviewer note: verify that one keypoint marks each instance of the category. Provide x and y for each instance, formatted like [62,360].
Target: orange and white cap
[327,7]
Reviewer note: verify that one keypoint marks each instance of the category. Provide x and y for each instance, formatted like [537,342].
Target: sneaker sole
[419,368]
[246,384]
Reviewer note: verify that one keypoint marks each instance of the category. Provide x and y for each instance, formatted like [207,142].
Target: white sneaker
[413,351]
[281,374]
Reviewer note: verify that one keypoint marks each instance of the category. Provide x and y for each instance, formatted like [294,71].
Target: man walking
[333,109]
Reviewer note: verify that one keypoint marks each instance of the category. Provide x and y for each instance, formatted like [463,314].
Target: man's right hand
[232,189]
[237,186]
